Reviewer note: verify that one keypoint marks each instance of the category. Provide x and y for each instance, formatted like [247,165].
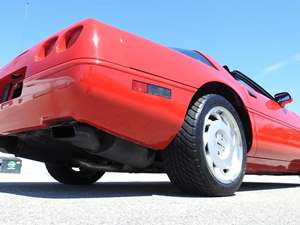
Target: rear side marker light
[151,89]
[139,86]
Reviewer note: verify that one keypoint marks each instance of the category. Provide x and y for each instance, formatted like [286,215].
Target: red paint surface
[88,77]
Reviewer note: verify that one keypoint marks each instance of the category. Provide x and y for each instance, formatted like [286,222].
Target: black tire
[185,160]
[67,175]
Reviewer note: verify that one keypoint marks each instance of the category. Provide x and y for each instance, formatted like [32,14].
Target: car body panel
[277,129]
[189,75]
[72,93]
[91,82]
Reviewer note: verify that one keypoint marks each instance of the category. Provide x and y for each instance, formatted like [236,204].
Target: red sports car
[92,99]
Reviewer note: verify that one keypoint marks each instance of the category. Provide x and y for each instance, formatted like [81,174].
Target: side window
[195,55]
[246,81]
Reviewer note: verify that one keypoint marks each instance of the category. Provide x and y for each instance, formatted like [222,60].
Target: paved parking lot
[34,198]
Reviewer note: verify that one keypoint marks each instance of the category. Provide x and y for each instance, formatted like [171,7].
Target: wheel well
[234,99]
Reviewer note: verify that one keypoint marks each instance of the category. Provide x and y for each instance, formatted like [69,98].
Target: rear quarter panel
[129,54]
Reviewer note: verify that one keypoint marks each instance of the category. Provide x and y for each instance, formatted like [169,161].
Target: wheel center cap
[221,143]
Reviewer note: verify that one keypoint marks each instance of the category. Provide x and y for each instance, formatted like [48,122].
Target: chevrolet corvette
[92,99]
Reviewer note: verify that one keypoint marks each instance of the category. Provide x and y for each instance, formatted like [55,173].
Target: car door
[277,129]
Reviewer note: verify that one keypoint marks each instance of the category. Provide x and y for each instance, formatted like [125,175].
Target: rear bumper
[100,94]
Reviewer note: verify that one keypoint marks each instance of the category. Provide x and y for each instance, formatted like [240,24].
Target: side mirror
[283,98]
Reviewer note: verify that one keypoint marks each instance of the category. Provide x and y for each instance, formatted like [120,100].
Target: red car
[92,99]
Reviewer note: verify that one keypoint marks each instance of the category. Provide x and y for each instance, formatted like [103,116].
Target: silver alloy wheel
[223,145]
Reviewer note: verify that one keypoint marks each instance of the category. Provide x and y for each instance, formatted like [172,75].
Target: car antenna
[25,19]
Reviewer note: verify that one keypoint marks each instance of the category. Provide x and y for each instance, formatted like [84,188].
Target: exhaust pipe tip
[65,131]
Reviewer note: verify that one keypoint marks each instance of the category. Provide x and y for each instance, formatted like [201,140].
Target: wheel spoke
[205,138]
[222,144]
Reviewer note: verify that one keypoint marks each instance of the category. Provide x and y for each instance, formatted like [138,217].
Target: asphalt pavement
[35,198]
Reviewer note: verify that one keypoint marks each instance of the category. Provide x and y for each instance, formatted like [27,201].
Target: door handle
[252,94]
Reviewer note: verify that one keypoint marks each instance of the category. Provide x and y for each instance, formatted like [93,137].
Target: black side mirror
[283,98]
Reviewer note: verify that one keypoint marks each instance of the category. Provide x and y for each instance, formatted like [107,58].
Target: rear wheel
[73,176]
[208,156]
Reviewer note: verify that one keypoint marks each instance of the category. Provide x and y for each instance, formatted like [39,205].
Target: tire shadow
[116,189]
[260,186]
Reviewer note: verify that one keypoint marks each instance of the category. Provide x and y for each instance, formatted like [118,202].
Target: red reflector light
[72,36]
[49,46]
[151,89]
[139,86]
[45,49]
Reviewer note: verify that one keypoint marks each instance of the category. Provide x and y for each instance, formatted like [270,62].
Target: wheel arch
[234,98]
